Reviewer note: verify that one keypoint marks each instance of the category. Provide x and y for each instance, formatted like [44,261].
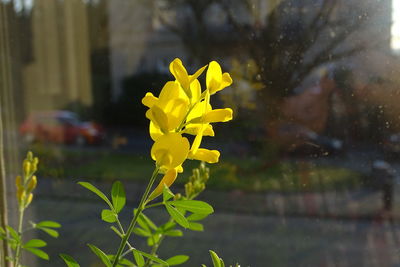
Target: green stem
[19,245]
[141,207]
[154,205]
[154,250]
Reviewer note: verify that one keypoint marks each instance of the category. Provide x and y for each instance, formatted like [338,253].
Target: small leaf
[167,226]
[100,254]
[49,231]
[13,233]
[69,260]
[92,188]
[177,216]
[215,259]
[148,221]
[174,233]
[2,232]
[108,216]
[176,260]
[141,232]
[167,194]
[35,243]
[197,217]
[196,226]
[118,196]
[49,224]
[121,261]
[138,258]
[194,206]
[116,231]
[38,252]
[153,258]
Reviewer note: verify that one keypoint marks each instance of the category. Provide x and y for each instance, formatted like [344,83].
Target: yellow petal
[197,74]
[180,73]
[149,100]
[158,117]
[209,156]
[155,132]
[170,91]
[168,179]
[170,150]
[218,115]
[193,129]
[176,111]
[195,89]
[213,77]
[197,140]
[225,82]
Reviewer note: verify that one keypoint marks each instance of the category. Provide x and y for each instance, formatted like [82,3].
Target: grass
[246,174]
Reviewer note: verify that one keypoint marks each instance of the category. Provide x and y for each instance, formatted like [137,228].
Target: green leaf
[49,231]
[38,252]
[174,233]
[215,259]
[141,232]
[194,206]
[92,188]
[118,196]
[35,243]
[121,261]
[148,221]
[196,226]
[69,260]
[167,226]
[108,216]
[197,217]
[178,259]
[203,265]
[167,194]
[13,233]
[177,216]
[153,258]
[2,232]
[103,257]
[49,224]
[138,258]
[116,231]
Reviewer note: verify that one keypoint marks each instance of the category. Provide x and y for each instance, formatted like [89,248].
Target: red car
[62,127]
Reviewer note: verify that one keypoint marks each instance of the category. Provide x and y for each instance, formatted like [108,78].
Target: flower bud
[27,167]
[20,195]
[29,156]
[18,182]
[32,183]
[35,163]
[29,200]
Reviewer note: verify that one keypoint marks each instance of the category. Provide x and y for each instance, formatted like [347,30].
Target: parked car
[391,144]
[62,127]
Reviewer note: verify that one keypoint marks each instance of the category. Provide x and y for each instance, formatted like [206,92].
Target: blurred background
[309,172]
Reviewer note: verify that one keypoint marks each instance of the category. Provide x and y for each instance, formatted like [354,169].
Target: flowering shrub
[181,109]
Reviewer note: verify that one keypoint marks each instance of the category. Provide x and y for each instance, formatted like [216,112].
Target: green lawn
[247,174]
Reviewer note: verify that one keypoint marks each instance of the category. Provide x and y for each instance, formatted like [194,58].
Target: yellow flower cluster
[27,183]
[183,108]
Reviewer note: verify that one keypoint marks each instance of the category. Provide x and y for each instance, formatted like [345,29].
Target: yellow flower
[181,75]
[168,179]
[215,80]
[170,151]
[169,110]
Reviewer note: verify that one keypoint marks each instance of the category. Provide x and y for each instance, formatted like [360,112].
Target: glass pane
[308,169]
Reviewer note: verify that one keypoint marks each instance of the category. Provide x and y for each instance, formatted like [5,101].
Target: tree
[288,39]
